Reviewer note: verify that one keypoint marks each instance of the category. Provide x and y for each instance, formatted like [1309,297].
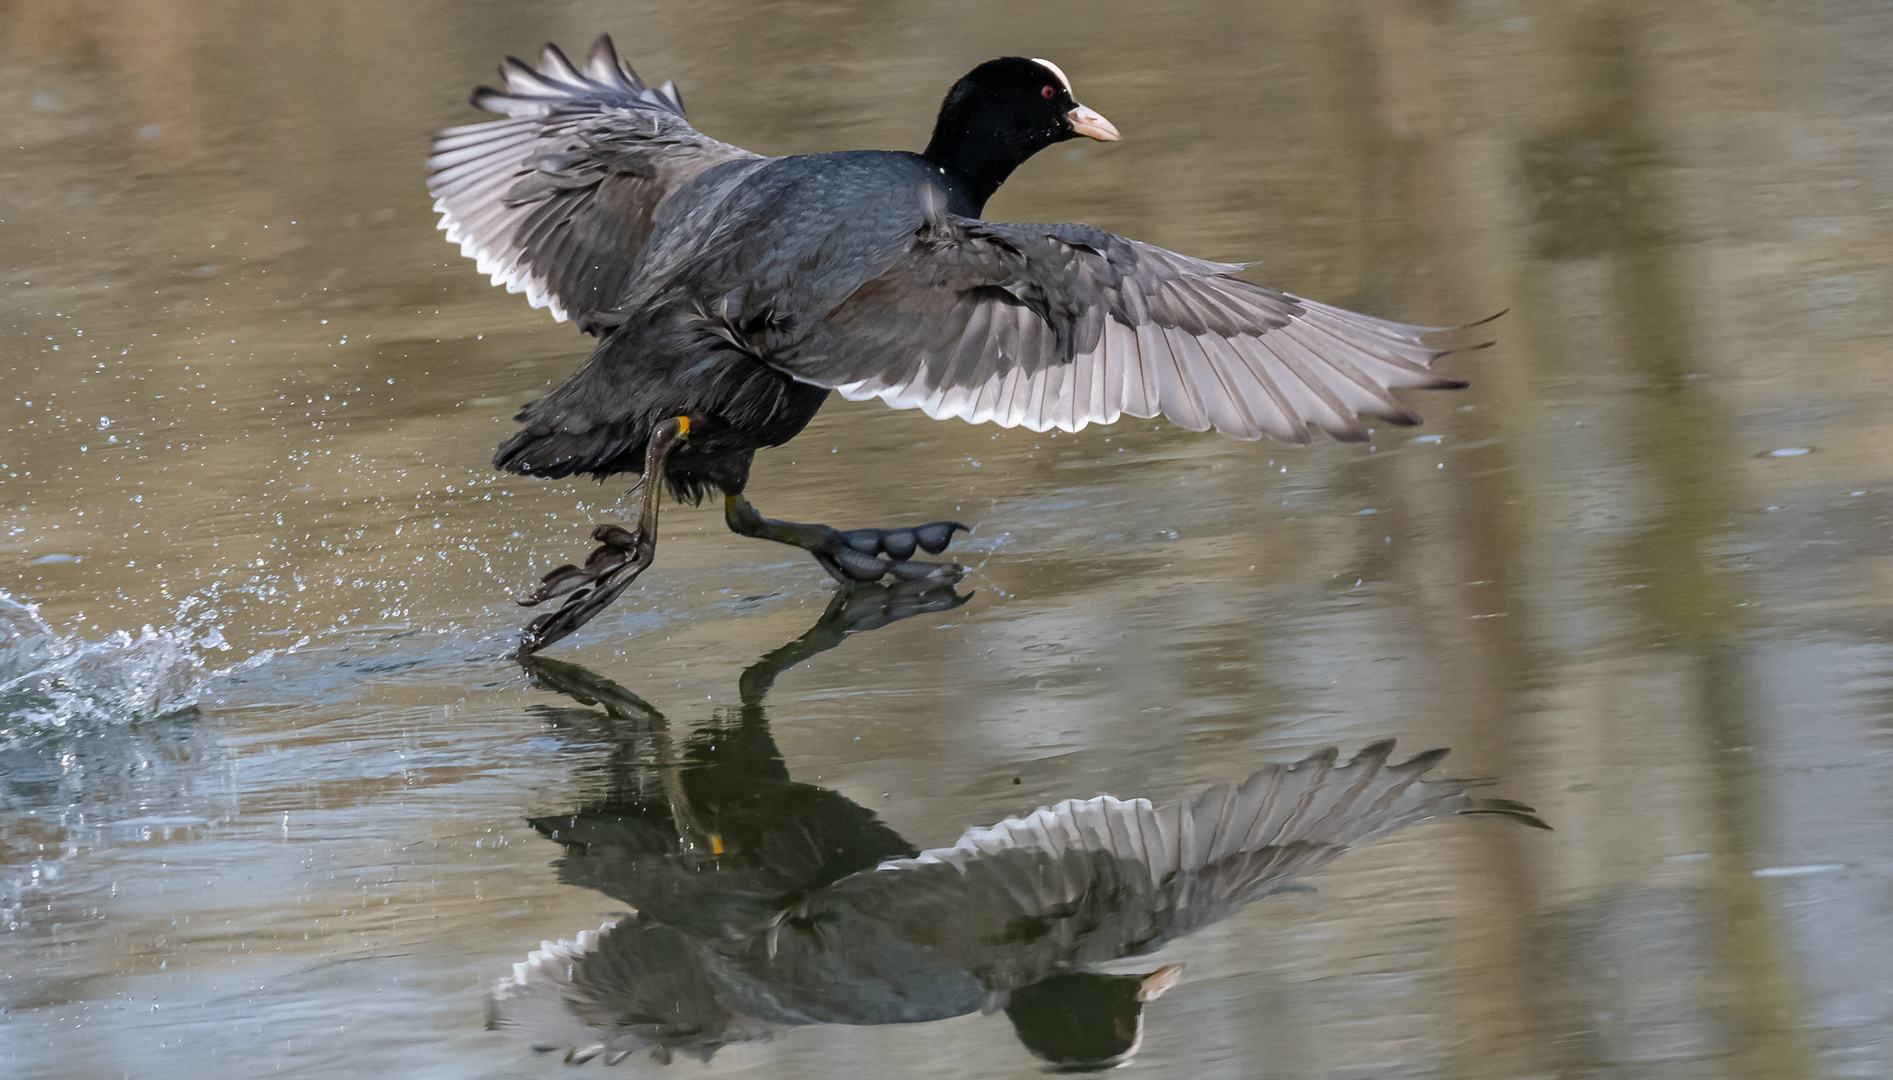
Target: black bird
[730,293]
[762,903]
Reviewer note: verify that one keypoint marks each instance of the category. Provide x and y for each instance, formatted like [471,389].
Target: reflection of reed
[1599,195]
[1688,601]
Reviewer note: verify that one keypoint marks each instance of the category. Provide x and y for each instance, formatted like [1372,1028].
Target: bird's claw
[617,546]
[620,557]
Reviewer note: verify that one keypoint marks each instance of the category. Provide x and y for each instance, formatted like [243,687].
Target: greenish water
[1639,571]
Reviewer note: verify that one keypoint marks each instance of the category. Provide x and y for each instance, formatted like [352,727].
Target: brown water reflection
[251,393]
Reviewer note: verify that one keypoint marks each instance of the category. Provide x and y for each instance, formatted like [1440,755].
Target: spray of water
[50,681]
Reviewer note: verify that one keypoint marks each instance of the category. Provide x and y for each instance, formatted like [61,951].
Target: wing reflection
[762,903]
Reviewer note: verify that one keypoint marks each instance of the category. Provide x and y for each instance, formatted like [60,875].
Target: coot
[731,293]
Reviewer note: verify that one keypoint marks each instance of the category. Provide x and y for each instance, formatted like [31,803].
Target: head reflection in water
[761,903]
[1083,1020]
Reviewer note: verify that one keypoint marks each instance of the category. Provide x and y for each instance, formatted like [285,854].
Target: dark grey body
[733,257]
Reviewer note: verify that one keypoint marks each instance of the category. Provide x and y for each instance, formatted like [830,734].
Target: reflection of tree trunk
[1592,174]
[1497,1011]
[152,47]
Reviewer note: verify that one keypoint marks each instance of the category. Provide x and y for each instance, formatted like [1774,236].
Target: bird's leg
[621,556]
[854,554]
[856,607]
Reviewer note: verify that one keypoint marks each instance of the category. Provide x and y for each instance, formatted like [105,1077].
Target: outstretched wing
[1061,326]
[556,200]
[1087,882]
[629,985]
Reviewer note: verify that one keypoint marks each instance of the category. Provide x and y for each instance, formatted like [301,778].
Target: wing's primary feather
[557,200]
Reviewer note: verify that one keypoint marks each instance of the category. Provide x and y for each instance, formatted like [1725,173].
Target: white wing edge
[479,163]
[1313,800]
[1103,823]
[551,962]
[534,999]
[480,183]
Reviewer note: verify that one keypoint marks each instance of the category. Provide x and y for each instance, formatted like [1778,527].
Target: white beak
[1089,122]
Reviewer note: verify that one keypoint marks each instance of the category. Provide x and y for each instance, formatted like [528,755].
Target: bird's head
[1001,113]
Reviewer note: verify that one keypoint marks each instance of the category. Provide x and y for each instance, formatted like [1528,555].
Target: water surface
[265,778]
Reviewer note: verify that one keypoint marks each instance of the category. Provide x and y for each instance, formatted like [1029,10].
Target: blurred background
[264,772]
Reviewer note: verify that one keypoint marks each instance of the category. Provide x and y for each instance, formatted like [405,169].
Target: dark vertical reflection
[1426,221]
[1595,184]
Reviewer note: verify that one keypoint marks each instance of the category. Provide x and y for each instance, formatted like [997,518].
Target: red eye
[1048,93]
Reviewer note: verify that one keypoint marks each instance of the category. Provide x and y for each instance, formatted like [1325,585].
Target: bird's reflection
[761,903]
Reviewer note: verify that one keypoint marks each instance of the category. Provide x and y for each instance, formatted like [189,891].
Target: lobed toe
[898,543]
[859,566]
[934,536]
[864,541]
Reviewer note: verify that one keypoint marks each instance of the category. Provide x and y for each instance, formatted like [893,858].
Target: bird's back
[784,238]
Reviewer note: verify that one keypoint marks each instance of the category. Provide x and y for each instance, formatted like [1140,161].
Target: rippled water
[267,788]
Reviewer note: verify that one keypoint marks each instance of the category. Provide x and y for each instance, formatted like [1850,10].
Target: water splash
[49,681]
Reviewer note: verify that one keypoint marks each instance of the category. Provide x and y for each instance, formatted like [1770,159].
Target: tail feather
[595,422]
[555,453]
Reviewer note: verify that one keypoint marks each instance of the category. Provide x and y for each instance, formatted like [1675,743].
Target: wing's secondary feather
[1044,326]
[1097,879]
[1312,801]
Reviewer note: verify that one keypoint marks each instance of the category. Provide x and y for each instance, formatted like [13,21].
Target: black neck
[977,164]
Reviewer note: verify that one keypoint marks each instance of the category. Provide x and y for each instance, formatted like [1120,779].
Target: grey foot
[871,554]
[857,554]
